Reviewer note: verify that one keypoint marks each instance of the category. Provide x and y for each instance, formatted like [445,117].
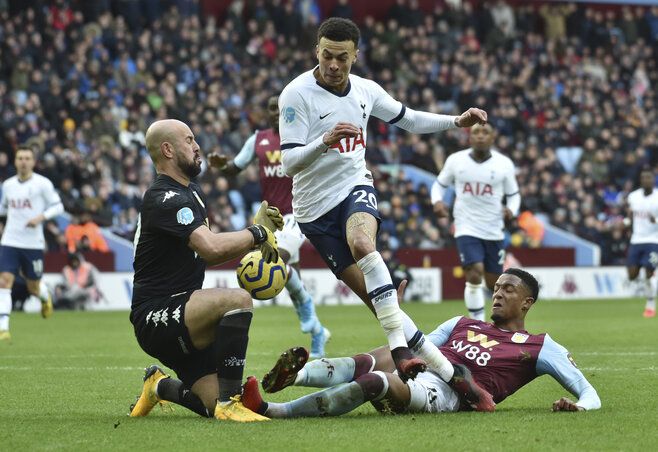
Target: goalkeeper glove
[264,240]
[269,216]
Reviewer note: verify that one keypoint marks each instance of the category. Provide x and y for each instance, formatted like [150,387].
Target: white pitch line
[617,353]
[265,354]
[619,369]
[90,355]
[127,368]
[70,368]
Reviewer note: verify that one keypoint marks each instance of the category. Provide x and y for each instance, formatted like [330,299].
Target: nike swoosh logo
[322,117]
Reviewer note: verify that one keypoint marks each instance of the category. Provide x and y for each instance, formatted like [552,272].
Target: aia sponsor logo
[349,144]
[477,189]
[21,204]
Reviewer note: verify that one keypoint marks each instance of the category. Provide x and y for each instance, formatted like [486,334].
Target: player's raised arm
[424,122]
[415,121]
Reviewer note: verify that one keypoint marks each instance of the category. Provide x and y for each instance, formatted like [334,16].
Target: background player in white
[490,350]
[643,252]
[27,200]
[482,177]
[324,117]
[276,188]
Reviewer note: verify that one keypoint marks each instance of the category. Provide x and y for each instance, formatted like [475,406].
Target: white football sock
[5,309]
[652,284]
[652,287]
[421,347]
[43,293]
[384,297]
[474,299]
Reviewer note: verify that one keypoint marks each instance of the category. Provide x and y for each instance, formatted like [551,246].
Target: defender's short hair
[529,281]
[339,29]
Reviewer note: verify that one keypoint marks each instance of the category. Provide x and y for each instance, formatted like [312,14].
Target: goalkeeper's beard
[191,169]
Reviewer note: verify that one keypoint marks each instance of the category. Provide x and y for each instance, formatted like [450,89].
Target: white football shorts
[430,394]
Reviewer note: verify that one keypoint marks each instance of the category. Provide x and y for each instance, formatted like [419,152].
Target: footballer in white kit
[264,147]
[643,251]
[323,128]
[27,200]
[482,178]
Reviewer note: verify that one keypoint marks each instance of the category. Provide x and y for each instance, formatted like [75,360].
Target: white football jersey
[308,111]
[643,207]
[22,201]
[479,191]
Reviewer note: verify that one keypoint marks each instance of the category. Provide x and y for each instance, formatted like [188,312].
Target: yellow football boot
[149,397]
[235,411]
[47,307]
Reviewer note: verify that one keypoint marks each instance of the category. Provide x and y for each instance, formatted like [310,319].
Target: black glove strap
[260,235]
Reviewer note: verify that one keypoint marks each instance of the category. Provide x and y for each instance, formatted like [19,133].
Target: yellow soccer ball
[262,280]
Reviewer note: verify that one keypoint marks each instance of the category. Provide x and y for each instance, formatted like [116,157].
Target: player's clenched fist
[340,131]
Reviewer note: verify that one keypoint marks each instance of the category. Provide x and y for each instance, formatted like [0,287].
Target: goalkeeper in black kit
[201,334]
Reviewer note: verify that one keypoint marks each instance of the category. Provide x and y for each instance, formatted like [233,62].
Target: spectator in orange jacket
[85,235]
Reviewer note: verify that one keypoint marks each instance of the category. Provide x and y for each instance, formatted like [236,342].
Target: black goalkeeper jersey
[164,263]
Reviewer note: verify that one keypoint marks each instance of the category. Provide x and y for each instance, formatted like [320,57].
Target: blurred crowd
[571,89]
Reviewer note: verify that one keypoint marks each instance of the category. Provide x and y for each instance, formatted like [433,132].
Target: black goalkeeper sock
[231,342]
[176,392]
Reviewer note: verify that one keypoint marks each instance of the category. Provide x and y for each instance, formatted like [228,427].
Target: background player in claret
[502,356]
[276,187]
[323,127]
[482,178]
[27,200]
[201,334]
[643,252]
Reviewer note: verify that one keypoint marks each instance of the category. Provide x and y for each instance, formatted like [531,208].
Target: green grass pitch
[66,384]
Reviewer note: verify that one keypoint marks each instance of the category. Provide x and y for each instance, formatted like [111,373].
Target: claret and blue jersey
[504,361]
